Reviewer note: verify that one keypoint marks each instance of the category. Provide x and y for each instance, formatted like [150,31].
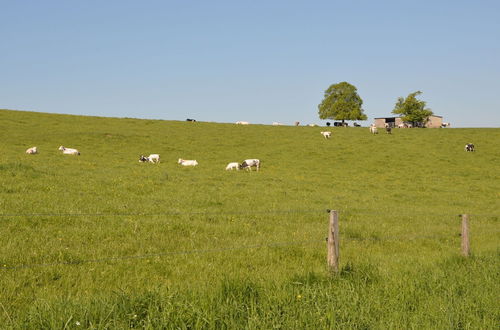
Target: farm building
[433,121]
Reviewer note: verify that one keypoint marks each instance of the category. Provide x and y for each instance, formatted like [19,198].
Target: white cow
[32,151]
[373,129]
[242,123]
[154,158]
[249,163]
[184,162]
[312,125]
[277,124]
[69,151]
[232,166]
[327,134]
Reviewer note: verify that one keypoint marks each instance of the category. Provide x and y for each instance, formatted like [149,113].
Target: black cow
[469,147]
[189,119]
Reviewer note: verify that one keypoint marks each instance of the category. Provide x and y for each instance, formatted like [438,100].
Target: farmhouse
[433,122]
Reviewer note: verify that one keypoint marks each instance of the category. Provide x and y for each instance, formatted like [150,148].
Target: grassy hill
[102,241]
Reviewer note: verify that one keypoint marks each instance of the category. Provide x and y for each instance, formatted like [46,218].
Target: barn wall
[379,122]
[434,122]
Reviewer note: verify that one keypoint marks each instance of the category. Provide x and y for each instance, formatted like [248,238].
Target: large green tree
[341,102]
[412,110]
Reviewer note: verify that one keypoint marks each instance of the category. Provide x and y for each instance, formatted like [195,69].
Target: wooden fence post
[465,235]
[333,242]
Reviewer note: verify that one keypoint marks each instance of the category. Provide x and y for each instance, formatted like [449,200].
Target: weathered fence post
[333,242]
[465,235]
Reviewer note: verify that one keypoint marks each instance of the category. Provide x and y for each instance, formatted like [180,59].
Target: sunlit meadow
[101,240]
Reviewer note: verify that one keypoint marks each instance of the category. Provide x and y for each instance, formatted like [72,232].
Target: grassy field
[102,241]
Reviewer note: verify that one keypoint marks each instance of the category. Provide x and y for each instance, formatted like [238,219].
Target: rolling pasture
[102,241]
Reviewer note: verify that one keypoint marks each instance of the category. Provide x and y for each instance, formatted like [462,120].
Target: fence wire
[349,213]
[343,238]
[173,213]
[220,250]
[162,254]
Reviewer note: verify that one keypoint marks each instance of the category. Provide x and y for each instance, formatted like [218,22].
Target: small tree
[341,102]
[412,110]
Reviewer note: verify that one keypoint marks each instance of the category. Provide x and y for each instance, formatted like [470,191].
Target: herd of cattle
[297,123]
[247,164]
[336,124]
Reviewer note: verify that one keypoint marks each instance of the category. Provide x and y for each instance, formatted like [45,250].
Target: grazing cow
[249,163]
[328,123]
[242,123]
[297,123]
[184,162]
[154,158]
[69,151]
[373,129]
[469,147]
[445,125]
[32,151]
[327,134]
[189,119]
[232,166]
[356,125]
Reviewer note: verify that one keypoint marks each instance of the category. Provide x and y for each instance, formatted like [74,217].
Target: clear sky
[256,61]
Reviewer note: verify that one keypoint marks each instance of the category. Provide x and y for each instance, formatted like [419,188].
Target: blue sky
[257,61]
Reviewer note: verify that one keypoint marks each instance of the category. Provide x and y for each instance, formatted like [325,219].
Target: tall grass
[103,241]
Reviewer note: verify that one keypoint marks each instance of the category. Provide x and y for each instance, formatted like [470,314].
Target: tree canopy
[341,102]
[412,110]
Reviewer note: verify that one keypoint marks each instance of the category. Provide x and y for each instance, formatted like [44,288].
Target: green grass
[118,244]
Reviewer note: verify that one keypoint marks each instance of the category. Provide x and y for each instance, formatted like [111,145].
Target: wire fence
[217,250]
[373,237]
[387,213]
